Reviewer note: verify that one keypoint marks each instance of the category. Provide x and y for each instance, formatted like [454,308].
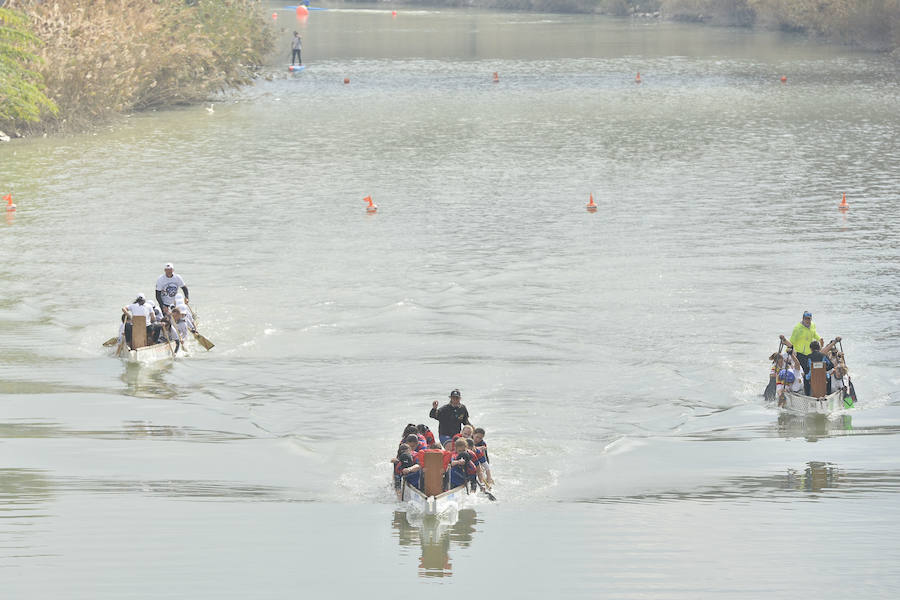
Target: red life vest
[420,457]
[469,464]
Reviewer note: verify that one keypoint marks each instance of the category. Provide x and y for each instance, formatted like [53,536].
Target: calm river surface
[616,359]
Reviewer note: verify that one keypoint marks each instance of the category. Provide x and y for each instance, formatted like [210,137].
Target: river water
[616,359]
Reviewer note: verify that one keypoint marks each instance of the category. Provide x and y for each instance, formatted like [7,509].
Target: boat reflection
[813,427]
[148,380]
[816,477]
[435,536]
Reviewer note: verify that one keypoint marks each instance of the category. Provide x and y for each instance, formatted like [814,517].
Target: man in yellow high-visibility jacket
[804,334]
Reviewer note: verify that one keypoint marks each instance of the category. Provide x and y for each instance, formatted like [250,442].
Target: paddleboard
[306,7]
[296,68]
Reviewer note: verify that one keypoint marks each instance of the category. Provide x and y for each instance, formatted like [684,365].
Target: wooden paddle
[111,341]
[200,339]
[769,394]
[169,342]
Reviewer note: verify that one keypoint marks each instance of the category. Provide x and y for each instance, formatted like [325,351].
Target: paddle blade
[487,493]
[853,393]
[769,394]
[203,341]
[111,341]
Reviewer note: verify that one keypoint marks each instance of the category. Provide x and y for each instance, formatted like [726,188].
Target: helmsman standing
[167,289]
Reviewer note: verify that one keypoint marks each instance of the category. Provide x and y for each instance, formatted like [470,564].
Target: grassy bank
[99,58]
[870,24]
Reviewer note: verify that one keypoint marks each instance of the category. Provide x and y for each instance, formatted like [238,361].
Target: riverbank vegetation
[870,24]
[93,59]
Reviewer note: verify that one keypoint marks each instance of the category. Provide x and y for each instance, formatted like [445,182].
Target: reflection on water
[778,486]
[129,430]
[813,427]
[149,380]
[24,495]
[435,537]
[816,477]
[22,490]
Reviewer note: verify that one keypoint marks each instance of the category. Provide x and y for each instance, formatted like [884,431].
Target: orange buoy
[783,79]
[274,16]
[843,205]
[372,207]
[346,80]
[637,78]
[9,203]
[393,13]
[302,11]
[496,77]
[591,207]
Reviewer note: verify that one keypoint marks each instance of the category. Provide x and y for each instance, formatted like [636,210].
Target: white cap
[169,266]
[141,297]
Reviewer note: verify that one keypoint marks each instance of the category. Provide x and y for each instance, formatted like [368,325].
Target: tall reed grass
[103,57]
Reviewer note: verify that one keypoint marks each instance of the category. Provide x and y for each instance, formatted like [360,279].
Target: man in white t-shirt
[141,308]
[167,288]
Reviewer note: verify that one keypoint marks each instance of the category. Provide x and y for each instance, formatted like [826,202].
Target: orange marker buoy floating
[637,78]
[591,207]
[496,77]
[843,206]
[274,16]
[302,11]
[393,13]
[9,203]
[372,207]
[346,80]
[783,79]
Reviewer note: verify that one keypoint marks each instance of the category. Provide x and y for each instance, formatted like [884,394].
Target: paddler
[296,45]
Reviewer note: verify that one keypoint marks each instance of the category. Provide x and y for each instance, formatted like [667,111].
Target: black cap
[454,394]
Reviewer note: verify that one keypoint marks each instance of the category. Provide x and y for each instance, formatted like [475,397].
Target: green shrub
[22,95]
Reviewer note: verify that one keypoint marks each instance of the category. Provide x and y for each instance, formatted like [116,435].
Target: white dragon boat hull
[150,354]
[444,503]
[800,404]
